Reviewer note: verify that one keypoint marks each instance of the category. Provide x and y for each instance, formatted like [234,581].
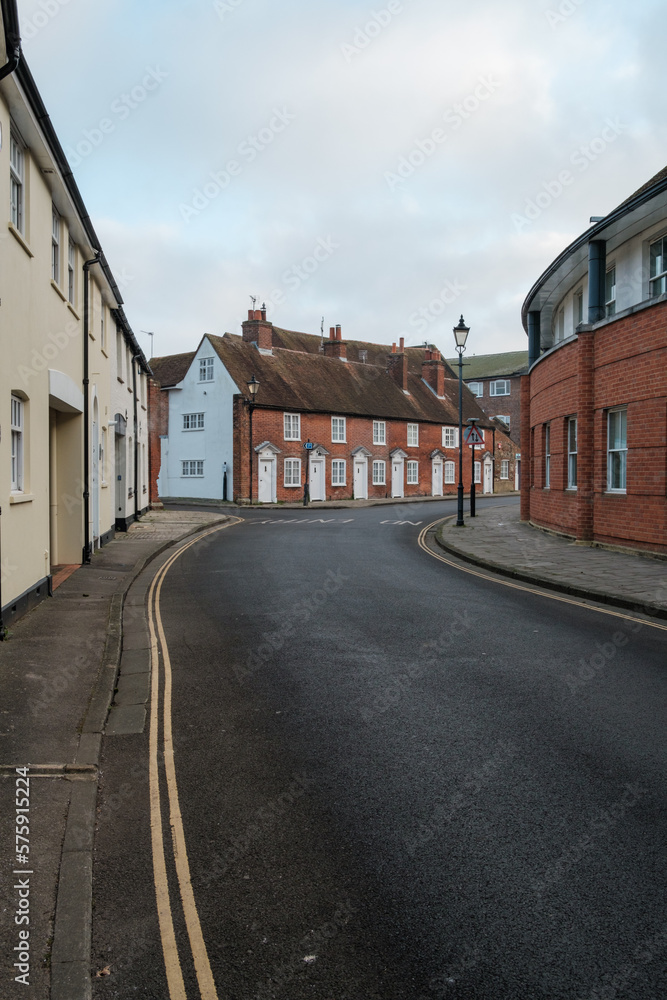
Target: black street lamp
[253,386]
[460,336]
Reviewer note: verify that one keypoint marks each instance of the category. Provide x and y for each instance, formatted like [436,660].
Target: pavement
[497,540]
[60,691]
[76,668]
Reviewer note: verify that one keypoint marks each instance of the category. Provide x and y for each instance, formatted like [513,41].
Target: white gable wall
[214,445]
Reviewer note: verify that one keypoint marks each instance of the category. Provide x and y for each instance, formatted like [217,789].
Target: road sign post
[306,489]
[472,437]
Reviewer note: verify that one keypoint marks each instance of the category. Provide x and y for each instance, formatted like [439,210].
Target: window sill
[615,493]
[293,486]
[73,310]
[191,430]
[56,287]
[19,238]
[21,497]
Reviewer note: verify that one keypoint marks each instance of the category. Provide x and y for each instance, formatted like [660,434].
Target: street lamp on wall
[460,336]
[253,386]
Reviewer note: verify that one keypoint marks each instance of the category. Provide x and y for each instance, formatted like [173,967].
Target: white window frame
[451,433]
[290,433]
[56,235]
[413,435]
[505,417]
[450,473]
[18,444]
[379,472]
[338,426]
[572,452]
[610,291]
[476,388]
[547,456]
[495,391]
[578,307]
[292,473]
[71,270]
[657,283]
[17,184]
[206,370]
[193,422]
[504,468]
[412,473]
[478,472]
[621,452]
[192,468]
[559,326]
[338,472]
[379,432]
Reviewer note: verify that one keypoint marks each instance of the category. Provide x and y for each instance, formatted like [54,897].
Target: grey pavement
[498,540]
[59,669]
[315,504]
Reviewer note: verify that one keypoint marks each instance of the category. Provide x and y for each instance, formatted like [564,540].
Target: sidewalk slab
[498,540]
[58,672]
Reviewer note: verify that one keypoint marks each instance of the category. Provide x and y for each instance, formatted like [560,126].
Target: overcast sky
[385,165]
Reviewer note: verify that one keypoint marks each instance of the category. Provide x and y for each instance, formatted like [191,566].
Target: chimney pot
[332,333]
[401,344]
[338,332]
[393,348]
[251,314]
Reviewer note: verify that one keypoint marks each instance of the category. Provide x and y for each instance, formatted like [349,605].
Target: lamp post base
[459,510]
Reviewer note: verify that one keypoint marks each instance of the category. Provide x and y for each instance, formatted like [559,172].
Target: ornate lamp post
[460,336]
[253,386]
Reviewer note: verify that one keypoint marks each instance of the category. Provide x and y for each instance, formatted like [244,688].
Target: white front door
[317,487]
[488,475]
[397,489]
[266,490]
[437,479]
[361,480]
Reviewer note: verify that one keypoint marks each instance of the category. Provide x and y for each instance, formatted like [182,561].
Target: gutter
[10,19]
[593,232]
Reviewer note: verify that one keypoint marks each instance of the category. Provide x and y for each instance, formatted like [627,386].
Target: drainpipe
[533,336]
[12,41]
[136,437]
[597,272]
[87,554]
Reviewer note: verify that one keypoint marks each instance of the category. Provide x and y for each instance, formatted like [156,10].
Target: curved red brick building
[594,403]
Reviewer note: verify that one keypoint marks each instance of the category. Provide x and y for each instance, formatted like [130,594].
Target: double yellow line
[528,590]
[172,962]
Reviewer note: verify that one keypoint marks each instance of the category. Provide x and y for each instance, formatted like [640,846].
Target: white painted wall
[214,445]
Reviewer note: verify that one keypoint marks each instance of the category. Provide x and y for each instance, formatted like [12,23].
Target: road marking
[307,520]
[414,523]
[173,969]
[523,587]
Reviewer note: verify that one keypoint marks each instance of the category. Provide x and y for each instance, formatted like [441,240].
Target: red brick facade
[268,425]
[619,363]
[158,425]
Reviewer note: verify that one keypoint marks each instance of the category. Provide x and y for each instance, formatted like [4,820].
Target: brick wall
[623,363]
[508,405]
[158,424]
[268,426]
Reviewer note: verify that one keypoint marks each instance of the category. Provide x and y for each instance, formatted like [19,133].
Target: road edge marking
[421,541]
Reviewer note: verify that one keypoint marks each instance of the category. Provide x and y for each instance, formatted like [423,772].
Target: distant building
[495,380]
[383,421]
[594,404]
[73,380]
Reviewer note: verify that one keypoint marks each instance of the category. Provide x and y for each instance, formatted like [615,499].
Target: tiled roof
[171,369]
[311,382]
[660,176]
[479,366]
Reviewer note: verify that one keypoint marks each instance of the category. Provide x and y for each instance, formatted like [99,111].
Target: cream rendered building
[61,319]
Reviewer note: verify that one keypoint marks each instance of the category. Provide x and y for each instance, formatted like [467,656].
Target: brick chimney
[398,365]
[258,330]
[335,347]
[433,371]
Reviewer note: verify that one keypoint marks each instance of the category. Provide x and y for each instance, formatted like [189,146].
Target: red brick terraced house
[594,404]
[382,421]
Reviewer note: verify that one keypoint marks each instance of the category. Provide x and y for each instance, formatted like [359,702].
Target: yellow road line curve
[526,589]
[205,980]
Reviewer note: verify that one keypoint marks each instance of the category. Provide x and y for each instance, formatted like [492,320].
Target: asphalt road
[396,780]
